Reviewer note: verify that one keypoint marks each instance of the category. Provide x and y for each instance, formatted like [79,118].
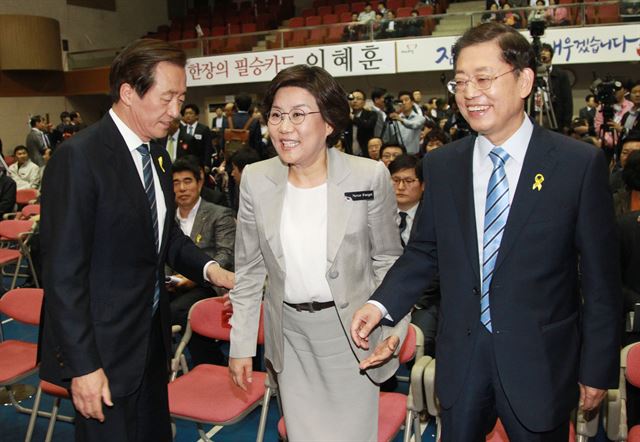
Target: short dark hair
[64,115]
[191,106]
[19,148]
[364,96]
[388,145]
[330,97]
[405,161]
[243,157]
[632,135]
[631,171]
[73,115]
[589,97]
[378,92]
[136,65]
[516,50]
[547,47]
[401,93]
[35,119]
[187,163]
[243,102]
[437,134]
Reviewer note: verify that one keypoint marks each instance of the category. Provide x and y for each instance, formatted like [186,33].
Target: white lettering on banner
[570,45]
[339,60]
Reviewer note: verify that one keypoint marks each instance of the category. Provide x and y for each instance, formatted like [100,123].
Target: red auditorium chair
[316,37]
[404,11]
[18,358]
[615,416]
[602,13]
[329,19]
[318,3]
[16,235]
[425,10]
[206,394]
[633,376]
[334,35]
[58,394]
[26,196]
[218,20]
[397,410]
[314,20]
[580,431]
[297,38]
[174,35]
[296,22]
[187,34]
[357,6]
[27,212]
[345,17]
[394,4]
[324,10]
[342,8]
[234,28]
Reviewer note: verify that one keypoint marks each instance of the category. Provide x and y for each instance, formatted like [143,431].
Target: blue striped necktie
[495,219]
[149,188]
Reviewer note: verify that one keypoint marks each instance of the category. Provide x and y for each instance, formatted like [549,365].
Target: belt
[311,306]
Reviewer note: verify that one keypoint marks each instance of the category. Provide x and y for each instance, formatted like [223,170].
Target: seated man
[24,172]
[7,193]
[406,177]
[212,228]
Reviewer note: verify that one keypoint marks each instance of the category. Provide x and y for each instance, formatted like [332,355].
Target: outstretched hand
[383,352]
[364,321]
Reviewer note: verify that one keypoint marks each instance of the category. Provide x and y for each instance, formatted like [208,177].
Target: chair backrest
[632,373]
[12,228]
[23,305]
[313,20]
[23,196]
[210,318]
[408,349]
[329,19]
[31,210]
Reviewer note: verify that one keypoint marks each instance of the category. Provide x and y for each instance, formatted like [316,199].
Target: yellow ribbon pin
[537,185]
[160,164]
[198,238]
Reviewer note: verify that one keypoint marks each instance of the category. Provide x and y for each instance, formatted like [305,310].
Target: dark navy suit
[555,296]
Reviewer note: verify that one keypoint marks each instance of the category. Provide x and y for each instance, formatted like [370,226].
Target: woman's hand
[240,370]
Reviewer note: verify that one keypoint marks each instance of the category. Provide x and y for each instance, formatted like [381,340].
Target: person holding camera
[613,106]
[363,124]
[408,123]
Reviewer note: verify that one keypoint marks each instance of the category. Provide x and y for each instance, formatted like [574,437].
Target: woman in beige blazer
[321,225]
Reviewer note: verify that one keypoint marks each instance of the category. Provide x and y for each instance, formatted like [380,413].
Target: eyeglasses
[388,155]
[405,181]
[295,116]
[481,83]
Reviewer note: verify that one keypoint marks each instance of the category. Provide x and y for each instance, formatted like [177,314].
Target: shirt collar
[411,213]
[192,212]
[132,140]
[515,146]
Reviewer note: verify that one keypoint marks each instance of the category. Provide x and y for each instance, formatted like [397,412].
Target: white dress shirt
[303,232]
[186,224]
[411,216]
[133,141]
[516,146]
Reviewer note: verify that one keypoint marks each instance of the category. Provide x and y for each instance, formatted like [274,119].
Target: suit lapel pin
[160,164]
[537,184]
[198,238]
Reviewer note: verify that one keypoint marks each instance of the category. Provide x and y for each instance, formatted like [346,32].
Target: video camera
[605,93]
[391,104]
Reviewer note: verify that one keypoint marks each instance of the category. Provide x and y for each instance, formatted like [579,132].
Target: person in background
[24,172]
[373,148]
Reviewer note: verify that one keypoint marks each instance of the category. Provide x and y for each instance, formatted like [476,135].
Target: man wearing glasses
[510,219]
[363,123]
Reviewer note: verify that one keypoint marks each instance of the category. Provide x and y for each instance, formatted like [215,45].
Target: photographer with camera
[407,123]
[613,106]
[363,123]
[559,86]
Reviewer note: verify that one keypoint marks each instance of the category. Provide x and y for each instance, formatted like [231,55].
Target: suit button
[62,364]
[334,274]
[344,305]
[476,291]
[468,332]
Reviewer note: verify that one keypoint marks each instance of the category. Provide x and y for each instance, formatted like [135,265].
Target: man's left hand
[590,397]
[383,352]
[220,277]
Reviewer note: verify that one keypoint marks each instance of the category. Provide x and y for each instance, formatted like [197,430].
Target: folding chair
[615,409]
[16,233]
[26,196]
[27,212]
[397,410]
[206,394]
[580,431]
[58,394]
[18,358]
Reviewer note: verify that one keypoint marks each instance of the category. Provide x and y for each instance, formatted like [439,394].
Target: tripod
[541,102]
[394,131]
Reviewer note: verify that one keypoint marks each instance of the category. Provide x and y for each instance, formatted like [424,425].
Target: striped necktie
[150,190]
[495,220]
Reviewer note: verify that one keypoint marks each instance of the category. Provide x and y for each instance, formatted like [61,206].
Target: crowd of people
[382,23]
[552,13]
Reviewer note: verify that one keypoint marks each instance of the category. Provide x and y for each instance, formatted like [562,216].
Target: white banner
[598,44]
[355,59]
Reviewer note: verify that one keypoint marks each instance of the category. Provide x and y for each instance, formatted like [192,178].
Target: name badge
[362,195]
[197,136]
